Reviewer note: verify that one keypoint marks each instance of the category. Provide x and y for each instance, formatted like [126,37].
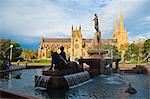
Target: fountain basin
[61,72]
[97,65]
[72,76]
[61,81]
[52,82]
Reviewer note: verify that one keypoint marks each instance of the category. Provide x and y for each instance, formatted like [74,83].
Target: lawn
[32,63]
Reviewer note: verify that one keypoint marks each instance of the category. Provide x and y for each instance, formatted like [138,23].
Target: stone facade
[121,36]
[49,44]
[77,46]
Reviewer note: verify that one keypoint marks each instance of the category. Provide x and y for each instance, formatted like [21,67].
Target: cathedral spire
[80,27]
[116,31]
[122,27]
[72,26]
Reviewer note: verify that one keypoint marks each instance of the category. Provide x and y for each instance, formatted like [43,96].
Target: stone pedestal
[97,41]
[57,82]
[95,52]
[97,65]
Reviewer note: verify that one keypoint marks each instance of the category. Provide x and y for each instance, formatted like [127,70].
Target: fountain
[97,60]
[77,78]
[65,78]
[42,81]
[73,74]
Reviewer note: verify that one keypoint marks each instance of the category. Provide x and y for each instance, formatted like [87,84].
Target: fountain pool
[99,87]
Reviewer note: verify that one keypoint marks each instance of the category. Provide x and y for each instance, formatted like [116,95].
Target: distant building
[121,36]
[77,46]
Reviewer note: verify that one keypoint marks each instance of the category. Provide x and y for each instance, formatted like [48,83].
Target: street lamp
[11,46]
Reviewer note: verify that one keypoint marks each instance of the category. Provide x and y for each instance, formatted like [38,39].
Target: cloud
[29,20]
[147,18]
[113,11]
[144,35]
[30,17]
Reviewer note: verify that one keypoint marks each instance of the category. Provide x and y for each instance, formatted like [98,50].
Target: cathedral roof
[56,39]
[63,40]
[87,40]
[109,41]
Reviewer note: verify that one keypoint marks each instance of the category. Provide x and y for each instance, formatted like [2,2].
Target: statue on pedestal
[97,36]
[96,23]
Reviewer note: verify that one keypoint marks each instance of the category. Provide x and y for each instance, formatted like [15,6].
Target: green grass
[32,63]
[135,62]
[1,62]
[39,61]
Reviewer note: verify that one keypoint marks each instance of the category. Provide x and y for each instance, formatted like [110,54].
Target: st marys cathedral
[77,46]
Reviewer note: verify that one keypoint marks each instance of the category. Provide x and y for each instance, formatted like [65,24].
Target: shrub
[44,61]
[18,58]
[2,64]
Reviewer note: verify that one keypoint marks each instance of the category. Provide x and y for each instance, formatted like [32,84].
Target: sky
[27,21]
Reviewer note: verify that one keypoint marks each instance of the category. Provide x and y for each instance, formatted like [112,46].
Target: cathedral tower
[121,35]
[76,44]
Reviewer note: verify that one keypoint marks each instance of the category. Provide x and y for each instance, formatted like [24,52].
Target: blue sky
[27,21]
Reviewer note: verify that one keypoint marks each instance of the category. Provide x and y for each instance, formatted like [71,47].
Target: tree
[107,46]
[5,48]
[30,54]
[135,51]
[129,52]
[138,51]
[35,54]
[5,51]
[17,50]
[116,53]
[132,52]
[147,45]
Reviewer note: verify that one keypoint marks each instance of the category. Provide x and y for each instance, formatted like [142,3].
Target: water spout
[75,79]
[42,81]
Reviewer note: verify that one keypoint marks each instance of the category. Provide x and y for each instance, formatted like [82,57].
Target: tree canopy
[30,54]
[147,45]
[116,53]
[5,48]
[137,51]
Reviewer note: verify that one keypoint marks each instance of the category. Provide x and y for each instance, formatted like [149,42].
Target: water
[107,87]
[24,85]
[77,78]
[42,81]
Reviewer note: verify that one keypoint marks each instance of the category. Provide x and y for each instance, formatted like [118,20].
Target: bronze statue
[96,23]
